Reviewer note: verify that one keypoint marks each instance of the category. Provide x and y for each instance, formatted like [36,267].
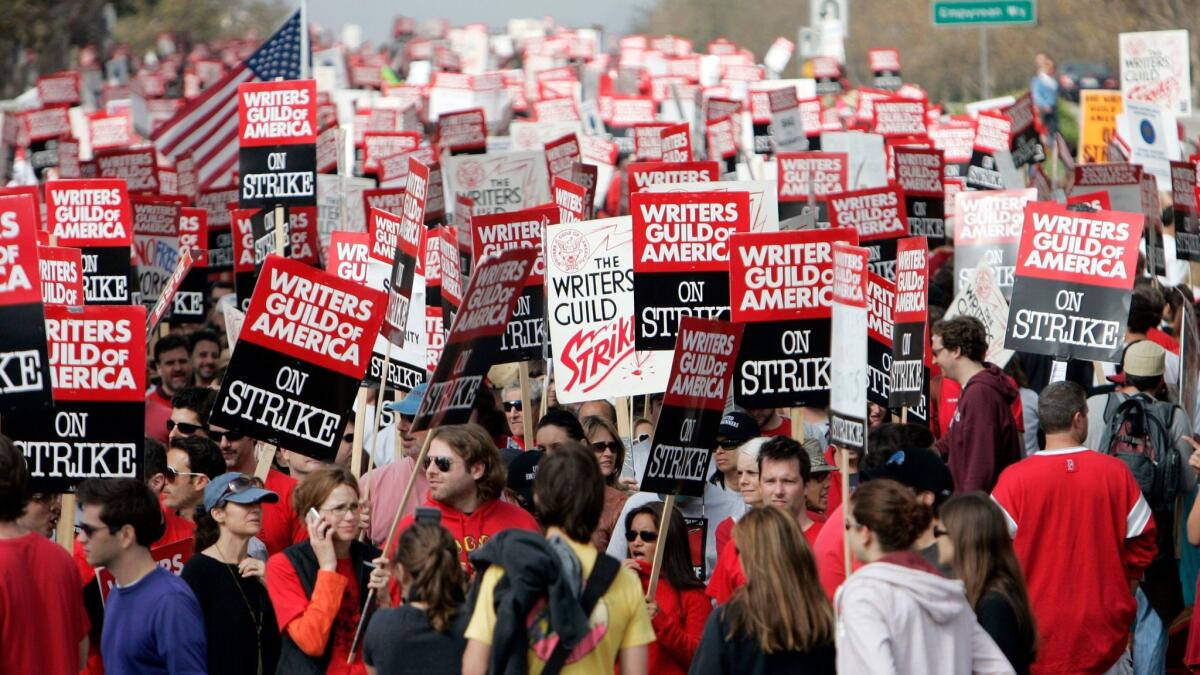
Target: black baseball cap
[919,468]
[521,472]
[738,426]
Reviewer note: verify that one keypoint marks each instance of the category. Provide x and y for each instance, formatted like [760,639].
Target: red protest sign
[645,174]
[387,199]
[42,125]
[721,138]
[169,288]
[91,212]
[912,280]
[349,255]
[495,232]
[898,117]
[647,141]
[676,143]
[451,267]
[110,130]
[59,89]
[19,271]
[782,276]
[138,168]
[171,557]
[193,233]
[462,130]
[561,155]
[277,113]
[62,275]
[879,218]
[686,231]
[819,174]
[380,144]
[571,200]
[97,353]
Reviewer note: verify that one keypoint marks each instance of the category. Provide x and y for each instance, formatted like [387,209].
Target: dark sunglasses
[172,474]
[184,428]
[348,438]
[237,486]
[601,446]
[939,532]
[90,531]
[728,445]
[646,536]
[510,406]
[443,463]
[218,436]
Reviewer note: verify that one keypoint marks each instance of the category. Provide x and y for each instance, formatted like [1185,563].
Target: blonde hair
[778,564]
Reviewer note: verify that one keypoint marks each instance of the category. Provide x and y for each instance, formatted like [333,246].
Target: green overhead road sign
[984,12]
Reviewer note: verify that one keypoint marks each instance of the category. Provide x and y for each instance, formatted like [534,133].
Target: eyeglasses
[601,446]
[443,463]
[172,474]
[937,351]
[341,511]
[218,436]
[91,530]
[645,535]
[510,406]
[237,486]
[939,532]
[728,444]
[184,428]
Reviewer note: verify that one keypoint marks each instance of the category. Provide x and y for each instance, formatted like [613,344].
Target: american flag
[207,127]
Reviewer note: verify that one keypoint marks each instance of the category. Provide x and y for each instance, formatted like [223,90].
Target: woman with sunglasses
[238,617]
[897,613]
[610,453]
[779,621]
[977,545]
[680,607]
[318,586]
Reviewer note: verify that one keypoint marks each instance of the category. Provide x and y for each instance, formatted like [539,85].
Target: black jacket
[304,560]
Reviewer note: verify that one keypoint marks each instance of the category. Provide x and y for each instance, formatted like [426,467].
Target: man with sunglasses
[152,621]
[39,587]
[173,365]
[192,461]
[515,416]
[190,408]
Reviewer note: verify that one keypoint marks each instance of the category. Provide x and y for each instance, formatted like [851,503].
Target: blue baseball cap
[237,488]
[411,402]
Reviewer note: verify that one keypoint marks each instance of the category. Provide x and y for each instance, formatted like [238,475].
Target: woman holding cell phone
[318,586]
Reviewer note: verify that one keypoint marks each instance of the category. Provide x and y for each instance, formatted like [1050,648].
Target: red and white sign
[97,353]
[647,141]
[992,131]
[167,297]
[380,144]
[193,233]
[349,255]
[171,557]
[62,274]
[494,233]
[277,113]
[645,174]
[19,270]
[42,125]
[676,143]
[721,138]
[686,231]
[783,276]
[561,154]
[462,130]
[898,117]
[819,174]
[110,130]
[919,171]
[571,200]
[87,213]
[59,89]
[138,168]
[387,199]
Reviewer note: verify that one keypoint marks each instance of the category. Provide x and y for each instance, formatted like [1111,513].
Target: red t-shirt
[158,411]
[1082,530]
[829,551]
[728,574]
[289,600]
[1163,340]
[281,526]
[177,529]
[784,429]
[470,531]
[41,609]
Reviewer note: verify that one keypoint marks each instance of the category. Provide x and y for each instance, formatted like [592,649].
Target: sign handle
[65,532]
[663,525]
[904,415]
[279,230]
[624,425]
[545,392]
[264,461]
[408,490]
[797,415]
[360,412]
[387,364]
[527,404]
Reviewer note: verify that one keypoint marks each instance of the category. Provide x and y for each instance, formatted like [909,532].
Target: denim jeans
[1149,639]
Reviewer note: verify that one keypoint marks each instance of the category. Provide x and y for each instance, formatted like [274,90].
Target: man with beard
[206,356]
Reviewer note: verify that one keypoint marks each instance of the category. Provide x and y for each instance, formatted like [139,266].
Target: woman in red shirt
[680,607]
[317,586]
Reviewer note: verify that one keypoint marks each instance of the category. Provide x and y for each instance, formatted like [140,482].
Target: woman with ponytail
[424,635]
[897,614]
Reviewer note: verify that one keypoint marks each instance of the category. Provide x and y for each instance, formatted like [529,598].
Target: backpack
[1138,432]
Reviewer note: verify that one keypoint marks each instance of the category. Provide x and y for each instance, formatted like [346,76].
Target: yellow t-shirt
[618,621]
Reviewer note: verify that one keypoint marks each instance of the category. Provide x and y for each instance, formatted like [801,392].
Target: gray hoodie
[898,615]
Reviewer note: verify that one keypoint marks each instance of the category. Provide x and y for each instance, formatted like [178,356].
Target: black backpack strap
[604,572]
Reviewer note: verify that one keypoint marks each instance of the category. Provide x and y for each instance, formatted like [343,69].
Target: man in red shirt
[174,367]
[1084,535]
[466,478]
[43,626]
[783,471]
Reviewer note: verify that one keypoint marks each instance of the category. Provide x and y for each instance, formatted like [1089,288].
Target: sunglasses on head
[231,436]
[510,406]
[442,463]
[645,535]
[172,474]
[237,486]
[601,446]
[184,428]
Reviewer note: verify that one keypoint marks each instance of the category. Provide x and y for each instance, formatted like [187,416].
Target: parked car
[1076,75]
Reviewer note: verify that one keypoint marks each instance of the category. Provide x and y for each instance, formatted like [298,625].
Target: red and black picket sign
[25,384]
[1073,281]
[562,154]
[675,143]
[95,216]
[885,68]
[191,300]
[878,217]
[988,225]
[253,240]
[463,131]
[779,287]
[97,356]
[277,139]
[404,235]
[301,356]
[681,259]
[909,315]
[1185,211]
[138,167]
[471,348]
[61,268]
[525,336]
[810,177]
[697,389]
[920,174]
[991,136]
[898,117]
[386,199]
[570,198]
[881,295]
[1024,141]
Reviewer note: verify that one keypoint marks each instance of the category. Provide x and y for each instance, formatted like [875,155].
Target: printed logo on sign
[471,174]
[570,250]
[1147,130]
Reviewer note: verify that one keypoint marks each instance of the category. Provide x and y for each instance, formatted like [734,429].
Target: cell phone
[312,517]
[428,514]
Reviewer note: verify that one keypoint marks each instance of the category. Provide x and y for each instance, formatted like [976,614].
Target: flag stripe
[179,127]
[200,126]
